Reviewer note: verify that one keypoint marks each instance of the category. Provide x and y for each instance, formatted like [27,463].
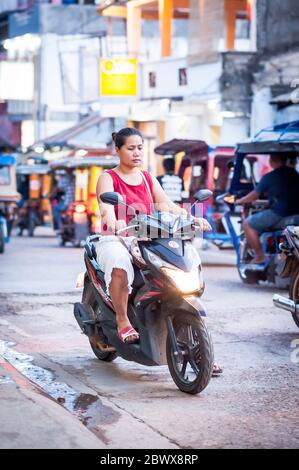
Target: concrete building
[49,63]
[195,82]
[218,70]
[276,81]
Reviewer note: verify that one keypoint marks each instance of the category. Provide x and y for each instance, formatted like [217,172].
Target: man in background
[282,189]
[172,184]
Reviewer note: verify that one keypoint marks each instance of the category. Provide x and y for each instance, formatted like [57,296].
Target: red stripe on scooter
[148,295]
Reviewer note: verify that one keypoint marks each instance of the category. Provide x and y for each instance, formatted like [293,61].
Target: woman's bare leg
[119,295]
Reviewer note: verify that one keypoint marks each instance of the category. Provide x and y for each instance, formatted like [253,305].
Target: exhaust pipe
[286,304]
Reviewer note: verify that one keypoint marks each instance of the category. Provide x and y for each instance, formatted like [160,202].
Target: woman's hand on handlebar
[202,224]
[112,226]
[119,224]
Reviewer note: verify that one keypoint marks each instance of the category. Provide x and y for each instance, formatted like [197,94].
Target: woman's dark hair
[119,138]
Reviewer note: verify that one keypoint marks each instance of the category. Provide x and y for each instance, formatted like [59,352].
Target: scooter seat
[138,279]
[296,231]
[290,220]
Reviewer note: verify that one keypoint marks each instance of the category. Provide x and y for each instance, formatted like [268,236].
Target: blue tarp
[7,160]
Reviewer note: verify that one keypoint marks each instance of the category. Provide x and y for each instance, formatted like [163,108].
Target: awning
[182,145]
[7,160]
[282,100]
[33,169]
[107,161]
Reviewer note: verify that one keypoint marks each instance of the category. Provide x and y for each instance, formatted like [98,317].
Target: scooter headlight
[80,208]
[186,282]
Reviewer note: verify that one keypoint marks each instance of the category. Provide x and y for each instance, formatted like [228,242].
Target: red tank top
[134,195]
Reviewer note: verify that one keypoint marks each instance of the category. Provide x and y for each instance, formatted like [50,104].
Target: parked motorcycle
[29,217]
[164,306]
[75,224]
[8,197]
[290,254]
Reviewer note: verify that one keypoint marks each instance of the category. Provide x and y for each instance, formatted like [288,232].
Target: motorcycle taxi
[251,163]
[79,216]
[34,184]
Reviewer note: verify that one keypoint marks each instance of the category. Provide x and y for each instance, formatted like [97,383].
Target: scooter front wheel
[191,369]
[2,240]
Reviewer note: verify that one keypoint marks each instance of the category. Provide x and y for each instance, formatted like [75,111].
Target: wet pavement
[126,405]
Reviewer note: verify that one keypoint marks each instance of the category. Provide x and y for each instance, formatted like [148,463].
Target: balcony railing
[8,5]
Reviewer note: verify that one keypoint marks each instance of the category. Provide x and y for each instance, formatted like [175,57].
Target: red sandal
[126,332]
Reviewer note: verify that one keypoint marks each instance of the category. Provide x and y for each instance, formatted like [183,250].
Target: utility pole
[81,79]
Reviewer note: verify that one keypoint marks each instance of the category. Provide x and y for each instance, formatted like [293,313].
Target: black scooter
[290,253]
[164,306]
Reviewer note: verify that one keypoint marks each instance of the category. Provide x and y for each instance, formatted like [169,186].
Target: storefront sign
[11,87]
[118,77]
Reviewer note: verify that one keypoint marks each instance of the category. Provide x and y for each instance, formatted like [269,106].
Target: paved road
[125,405]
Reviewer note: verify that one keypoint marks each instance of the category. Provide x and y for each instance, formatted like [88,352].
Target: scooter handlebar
[124,229]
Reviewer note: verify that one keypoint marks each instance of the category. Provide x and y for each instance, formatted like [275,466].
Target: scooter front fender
[188,303]
[196,305]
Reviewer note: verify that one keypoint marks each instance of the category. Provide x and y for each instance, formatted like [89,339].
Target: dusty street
[254,404]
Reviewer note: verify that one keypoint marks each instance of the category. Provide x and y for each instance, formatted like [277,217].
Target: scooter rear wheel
[101,355]
[192,370]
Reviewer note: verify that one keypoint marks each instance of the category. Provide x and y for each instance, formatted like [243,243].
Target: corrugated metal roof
[65,137]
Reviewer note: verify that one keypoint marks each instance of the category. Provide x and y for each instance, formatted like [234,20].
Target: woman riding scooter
[140,190]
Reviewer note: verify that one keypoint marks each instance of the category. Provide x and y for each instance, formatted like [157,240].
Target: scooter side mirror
[111,198]
[203,195]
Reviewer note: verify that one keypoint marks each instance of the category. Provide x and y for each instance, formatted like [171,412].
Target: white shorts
[111,253]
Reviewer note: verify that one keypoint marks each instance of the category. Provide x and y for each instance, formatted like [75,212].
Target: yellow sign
[118,77]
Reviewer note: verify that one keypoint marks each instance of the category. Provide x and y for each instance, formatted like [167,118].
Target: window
[254,168]
[152,79]
[242,26]
[183,80]
[4,175]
